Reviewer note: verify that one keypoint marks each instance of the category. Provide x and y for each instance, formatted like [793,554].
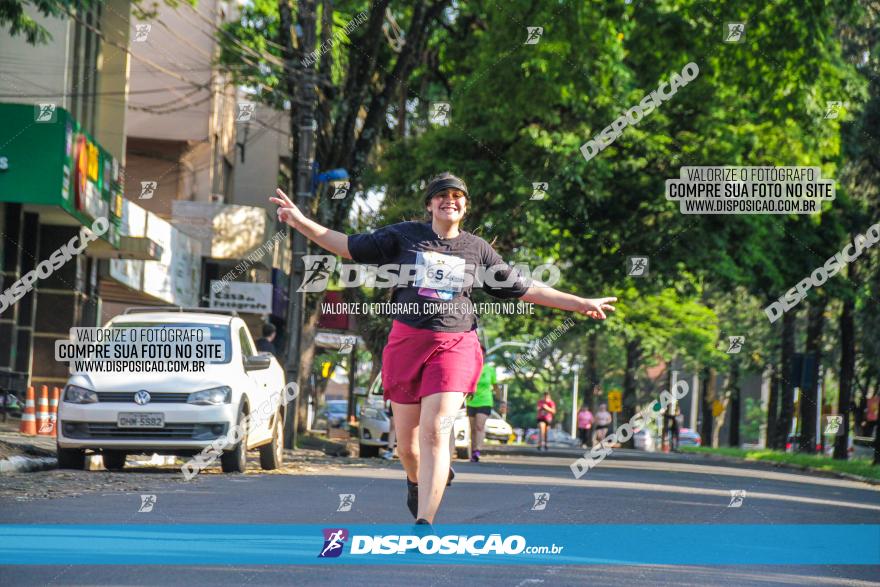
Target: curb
[19,464]
[529,452]
[790,466]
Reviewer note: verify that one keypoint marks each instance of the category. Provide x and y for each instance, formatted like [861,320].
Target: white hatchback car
[176,413]
[374,425]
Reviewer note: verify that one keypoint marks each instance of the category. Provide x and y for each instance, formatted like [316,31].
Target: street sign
[615,401]
[717,408]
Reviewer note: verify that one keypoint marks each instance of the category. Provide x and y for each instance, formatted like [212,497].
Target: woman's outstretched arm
[553,298]
[332,240]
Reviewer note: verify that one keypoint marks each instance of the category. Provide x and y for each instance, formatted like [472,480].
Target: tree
[354,74]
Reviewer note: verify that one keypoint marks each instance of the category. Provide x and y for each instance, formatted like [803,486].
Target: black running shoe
[451,477]
[412,497]
[423,528]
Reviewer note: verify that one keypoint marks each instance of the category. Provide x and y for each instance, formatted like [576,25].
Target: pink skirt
[418,362]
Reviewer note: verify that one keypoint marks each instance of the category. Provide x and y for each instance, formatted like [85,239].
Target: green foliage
[519,114]
[861,467]
[754,418]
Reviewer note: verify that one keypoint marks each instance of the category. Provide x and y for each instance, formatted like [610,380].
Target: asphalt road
[627,488]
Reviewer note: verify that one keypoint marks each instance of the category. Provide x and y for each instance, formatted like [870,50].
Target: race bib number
[443,275]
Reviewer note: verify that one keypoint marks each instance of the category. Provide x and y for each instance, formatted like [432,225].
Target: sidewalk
[40,444]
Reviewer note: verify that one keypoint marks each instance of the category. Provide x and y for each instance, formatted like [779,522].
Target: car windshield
[337,407]
[219,333]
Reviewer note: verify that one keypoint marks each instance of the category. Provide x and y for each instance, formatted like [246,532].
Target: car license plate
[141,420]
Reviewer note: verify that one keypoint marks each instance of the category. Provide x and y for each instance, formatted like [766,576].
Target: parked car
[497,428]
[335,413]
[687,437]
[643,439]
[374,425]
[178,413]
[556,438]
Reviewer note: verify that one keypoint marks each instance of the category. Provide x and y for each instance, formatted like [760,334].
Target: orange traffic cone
[28,418]
[45,426]
[53,410]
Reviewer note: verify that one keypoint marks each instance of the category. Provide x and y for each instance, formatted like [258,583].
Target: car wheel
[463,453]
[272,454]
[114,460]
[71,458]
[235,460]
[367,451]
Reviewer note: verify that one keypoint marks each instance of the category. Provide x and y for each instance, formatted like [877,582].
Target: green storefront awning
[47,159]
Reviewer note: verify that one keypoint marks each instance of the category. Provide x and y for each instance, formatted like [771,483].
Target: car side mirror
[257,362]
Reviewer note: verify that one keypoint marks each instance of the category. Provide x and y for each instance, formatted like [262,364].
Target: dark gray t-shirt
[436,297]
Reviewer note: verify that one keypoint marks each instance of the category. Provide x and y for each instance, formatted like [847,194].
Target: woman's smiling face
[448,205]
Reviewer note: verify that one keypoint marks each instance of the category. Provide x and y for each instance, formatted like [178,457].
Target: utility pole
[574,402]
[300,85]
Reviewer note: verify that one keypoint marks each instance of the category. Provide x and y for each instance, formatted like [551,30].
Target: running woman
[433,356]
[479,406]
[546,409]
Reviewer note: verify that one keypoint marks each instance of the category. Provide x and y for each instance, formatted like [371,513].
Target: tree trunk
[592,372]
[847,370]
[706,399]
[876,443]
[630,387]
[735,403]
[810,408]
[773,407]
[786,408]
[307,357]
